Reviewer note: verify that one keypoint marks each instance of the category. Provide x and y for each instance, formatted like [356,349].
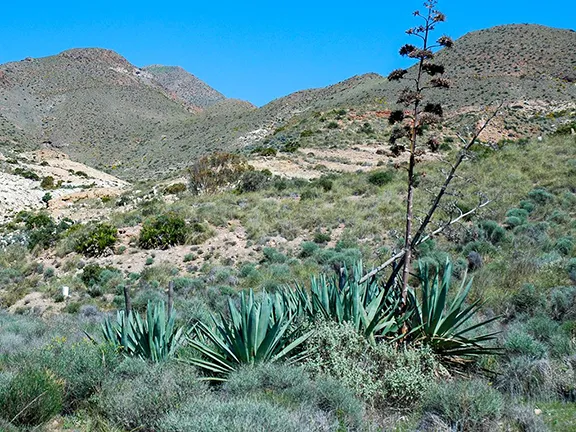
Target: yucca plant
[155,338]
[371,309]
[257,332]
[447,327]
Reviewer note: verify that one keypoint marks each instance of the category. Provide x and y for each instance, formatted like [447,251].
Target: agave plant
[447,327]
[371,309]
[155,338]
[259,331]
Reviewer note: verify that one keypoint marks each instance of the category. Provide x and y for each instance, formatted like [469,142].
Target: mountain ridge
[103,111]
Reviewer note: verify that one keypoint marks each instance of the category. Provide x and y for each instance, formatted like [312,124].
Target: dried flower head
[440,83]
[424,54]
[433,144]
[433,69]
[434,108]
[409,96]
[397,74]
[407,49]
[445,41]
[428,118]
[396,116]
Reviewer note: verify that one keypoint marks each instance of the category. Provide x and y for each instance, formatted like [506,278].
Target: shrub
[175,188]
[138,394]
[380,178]
[527,300]
[307,249]
[562,304]
[493,232]
[210,414]
[216,171]
[525,377]
[332,125]
[32,397]
[253,181]
[163,231]
[325,183]
[465,405]
[519,342]
[96,240]
[273,255]
[527,205]
[321,237]
[378,374]
[564,245]
[81,365]
[292,386]
[30,175]
[48,183]
[540,196]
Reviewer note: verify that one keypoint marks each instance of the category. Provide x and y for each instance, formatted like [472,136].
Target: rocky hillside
[95,106]
[185,86]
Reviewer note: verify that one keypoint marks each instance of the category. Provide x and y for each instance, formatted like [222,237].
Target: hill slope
[105,112]
[185,86]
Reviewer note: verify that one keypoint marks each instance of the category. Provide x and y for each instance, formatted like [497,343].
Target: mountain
[101,110]
[185,86]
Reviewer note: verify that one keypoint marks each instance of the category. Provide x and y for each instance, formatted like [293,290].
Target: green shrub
[273,255]
[527,205]
[48,183]
[525,377]
[465,405]
[540,196]
[30,175]
[253,181]
[32,397]
[564,245]
[307,249]
[91,274]
[96,240]
[321,237]
[527,300]
[519,342]
[138,394]
[562,303]
[493,232]
[80,365]
[175,188]
[210,414]
[163,231]
[380,178]
[378,374]
[292,386]
[325,183]
[332,125]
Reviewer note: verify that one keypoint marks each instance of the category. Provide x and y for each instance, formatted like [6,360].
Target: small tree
[417,115]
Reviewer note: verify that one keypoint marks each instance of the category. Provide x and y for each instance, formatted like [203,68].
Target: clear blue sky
[255,51]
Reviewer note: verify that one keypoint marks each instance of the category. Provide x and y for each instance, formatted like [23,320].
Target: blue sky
[256,51]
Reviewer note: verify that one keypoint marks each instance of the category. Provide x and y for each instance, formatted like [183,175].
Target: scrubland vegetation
[287,328]
[315,365]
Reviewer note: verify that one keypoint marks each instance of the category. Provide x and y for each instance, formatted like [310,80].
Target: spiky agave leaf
[259,331]
[156,338]
[447,327]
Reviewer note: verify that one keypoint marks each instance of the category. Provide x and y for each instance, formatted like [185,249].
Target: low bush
[380,178]
[96,240]
[253,181]
[163,231]
[138,394]
[175,188]
[378,374]
[292,386]
[465,405]
[31,397]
